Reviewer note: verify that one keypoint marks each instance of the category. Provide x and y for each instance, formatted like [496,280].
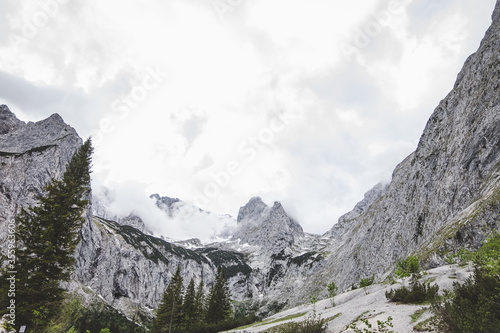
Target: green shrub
[332,292]
[332,289]
[461,257]
[407,266]
[365,282]
[419,292]
[474,306]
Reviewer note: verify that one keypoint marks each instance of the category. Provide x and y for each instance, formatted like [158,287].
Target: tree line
[46,236]
[192,310]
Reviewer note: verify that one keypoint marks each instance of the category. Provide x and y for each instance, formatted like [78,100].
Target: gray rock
[30,155]
[444,196]
[268,227]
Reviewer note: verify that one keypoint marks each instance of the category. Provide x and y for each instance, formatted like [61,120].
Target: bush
[408,266]
[475,305]
[75,316]
[332,292]
[419,292]
[365,282]
[332,289]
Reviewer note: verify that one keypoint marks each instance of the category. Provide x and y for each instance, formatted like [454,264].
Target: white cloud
[180,95]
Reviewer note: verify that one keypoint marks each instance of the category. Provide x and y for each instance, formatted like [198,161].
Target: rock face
[166,204]
[30,155]
[444,196]
[268,227]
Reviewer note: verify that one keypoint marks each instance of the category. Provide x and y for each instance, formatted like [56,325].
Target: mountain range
[442,197]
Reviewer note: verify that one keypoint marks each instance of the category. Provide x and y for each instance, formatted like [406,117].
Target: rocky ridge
[30,155]
[444,196]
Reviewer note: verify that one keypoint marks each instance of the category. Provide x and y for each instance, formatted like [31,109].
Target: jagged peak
[8,120]
[165,199]
[55,117]
[155,196]
[253,208]
[5,109]
[18,137]
[270,227]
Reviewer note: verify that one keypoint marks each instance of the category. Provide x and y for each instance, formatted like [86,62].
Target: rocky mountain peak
[268,227]
[253,208]
[18,137]
[166,204]
[8,121]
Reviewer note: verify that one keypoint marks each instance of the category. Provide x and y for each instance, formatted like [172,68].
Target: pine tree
[169,313]
[188,308]
[199,302]
[47,235]
[219,303]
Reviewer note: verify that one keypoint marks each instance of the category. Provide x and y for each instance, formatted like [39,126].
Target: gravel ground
[369,303]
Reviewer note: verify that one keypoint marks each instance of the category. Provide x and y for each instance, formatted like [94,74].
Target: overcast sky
[309,103]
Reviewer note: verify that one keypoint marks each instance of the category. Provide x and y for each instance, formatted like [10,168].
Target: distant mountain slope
[444,195]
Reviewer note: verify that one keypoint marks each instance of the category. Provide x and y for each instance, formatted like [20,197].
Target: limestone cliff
[444,196]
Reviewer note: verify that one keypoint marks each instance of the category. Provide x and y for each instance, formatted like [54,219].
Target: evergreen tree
[169,313]
[188,308]
[219,304]
[199,302]
[47,235]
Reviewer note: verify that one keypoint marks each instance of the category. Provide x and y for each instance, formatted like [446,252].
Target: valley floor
[370,303]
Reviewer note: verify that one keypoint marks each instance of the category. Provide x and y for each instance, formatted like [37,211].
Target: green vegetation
[169,315]
[94,318]
[313,324]
[219,305]
[461,257]
[269,321]
[407,267]
[46,236]
[329,319]
[418,293]
[223,258]
[382,326]
[332,291]
[426,325]
[417,314]
[475,305]
[152,248]
[293,316]
[365,282]
[192,311]
[308,258]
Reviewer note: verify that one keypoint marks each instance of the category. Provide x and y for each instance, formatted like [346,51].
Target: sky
[309,103]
